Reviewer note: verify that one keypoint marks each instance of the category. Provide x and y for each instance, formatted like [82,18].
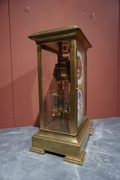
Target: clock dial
[80,85]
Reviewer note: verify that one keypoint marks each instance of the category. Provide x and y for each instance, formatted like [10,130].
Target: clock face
[79,68]
[81,85]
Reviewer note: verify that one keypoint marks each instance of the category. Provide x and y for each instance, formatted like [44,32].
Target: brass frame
[71,144]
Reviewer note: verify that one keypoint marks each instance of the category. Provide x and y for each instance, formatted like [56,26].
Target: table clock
[62,79]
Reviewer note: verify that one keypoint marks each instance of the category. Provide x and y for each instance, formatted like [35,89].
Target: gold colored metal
[71,146]
[40,84]
[77,160]
[70,141]
[39,151]
[91,131]
[70,32]
[73,85]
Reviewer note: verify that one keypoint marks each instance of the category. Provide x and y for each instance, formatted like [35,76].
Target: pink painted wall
[98,19]
[6,89]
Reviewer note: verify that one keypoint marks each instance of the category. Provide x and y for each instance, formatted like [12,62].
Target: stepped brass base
[71,146]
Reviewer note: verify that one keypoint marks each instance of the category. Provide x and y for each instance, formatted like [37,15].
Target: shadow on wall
[6,107]
[19,105]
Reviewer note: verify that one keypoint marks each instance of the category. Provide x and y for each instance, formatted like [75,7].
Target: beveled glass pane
[56,86]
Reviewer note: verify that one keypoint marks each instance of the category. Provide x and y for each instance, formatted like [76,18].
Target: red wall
[98,19]
[119,65]
[6,89]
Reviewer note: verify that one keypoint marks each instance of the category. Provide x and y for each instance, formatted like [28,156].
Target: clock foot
[76,159]
[91,131]
[37,150]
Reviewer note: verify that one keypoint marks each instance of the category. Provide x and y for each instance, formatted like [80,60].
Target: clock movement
[62,79]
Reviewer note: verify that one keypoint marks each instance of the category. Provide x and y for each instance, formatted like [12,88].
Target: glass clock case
[62,74]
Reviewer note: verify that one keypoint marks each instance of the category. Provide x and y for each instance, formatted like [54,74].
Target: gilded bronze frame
[71,144]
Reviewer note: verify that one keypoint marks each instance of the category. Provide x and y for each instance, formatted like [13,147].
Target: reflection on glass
[56,86]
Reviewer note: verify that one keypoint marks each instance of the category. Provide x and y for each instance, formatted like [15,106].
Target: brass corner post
[73,86]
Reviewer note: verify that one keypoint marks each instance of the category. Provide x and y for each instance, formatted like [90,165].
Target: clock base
[70,145]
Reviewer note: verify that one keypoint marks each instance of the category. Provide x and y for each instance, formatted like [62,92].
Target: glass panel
[56,86]
[81,80]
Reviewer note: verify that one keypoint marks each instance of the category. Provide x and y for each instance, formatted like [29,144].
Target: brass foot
[76,159]
[36,150]
[91,131]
